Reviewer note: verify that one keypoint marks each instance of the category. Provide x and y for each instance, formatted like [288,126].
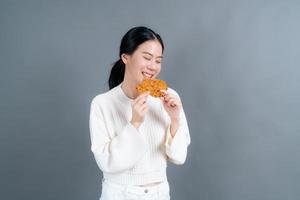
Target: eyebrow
[151,54]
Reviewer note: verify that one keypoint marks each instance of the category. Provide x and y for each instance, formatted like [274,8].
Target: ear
[124,58]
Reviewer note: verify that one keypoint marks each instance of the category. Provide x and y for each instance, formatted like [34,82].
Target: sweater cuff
[176,147]
[177,142]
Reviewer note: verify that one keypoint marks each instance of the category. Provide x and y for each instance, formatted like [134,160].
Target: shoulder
[103,98]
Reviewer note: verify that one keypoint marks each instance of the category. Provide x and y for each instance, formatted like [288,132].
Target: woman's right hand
[139,109]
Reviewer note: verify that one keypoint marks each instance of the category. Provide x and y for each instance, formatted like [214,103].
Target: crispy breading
[152,85]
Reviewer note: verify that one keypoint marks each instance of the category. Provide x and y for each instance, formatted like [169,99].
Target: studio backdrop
[235,65]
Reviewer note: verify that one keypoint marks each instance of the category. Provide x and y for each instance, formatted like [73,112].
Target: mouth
[147,75]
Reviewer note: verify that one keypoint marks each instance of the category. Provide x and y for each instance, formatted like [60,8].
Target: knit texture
[131,156]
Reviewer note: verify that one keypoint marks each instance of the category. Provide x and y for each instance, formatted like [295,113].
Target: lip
[152,75]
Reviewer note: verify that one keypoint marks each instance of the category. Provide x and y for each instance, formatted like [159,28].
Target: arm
[177,133]
[176,147]
[116,154]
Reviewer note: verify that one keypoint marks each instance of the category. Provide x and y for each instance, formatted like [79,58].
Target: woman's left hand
[172,105]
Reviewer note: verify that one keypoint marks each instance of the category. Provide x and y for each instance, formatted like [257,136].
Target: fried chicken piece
[152,85]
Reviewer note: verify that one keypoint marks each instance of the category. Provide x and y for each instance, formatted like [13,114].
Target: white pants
[114,191]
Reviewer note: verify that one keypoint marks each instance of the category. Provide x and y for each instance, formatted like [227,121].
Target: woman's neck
[129,88]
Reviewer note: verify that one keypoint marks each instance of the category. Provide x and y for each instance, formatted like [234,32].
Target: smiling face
[144,63]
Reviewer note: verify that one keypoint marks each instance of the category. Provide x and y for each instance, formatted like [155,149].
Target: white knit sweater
[127,155]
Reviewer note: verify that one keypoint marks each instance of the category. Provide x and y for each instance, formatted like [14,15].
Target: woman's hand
[172,105]
[139,109]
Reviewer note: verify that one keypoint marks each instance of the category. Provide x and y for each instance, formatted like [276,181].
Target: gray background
[235,64]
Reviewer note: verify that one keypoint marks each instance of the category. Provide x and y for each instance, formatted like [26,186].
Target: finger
[164,92]
[167,98]
[144,109]
[141,104]
[169,95]
[141,96]
[141,108]
[172,102]
[165,95]
[141,100]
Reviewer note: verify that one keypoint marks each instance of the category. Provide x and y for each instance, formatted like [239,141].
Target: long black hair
[129,43]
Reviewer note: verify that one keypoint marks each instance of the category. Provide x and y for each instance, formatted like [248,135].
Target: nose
[152,66]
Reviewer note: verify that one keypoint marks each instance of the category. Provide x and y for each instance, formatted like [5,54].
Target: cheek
[140,63]
[159,69]
[135,65]
[144,63]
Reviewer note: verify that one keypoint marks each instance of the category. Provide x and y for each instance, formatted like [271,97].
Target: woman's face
[145,62]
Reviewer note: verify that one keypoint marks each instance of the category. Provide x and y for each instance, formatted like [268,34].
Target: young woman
[134,135]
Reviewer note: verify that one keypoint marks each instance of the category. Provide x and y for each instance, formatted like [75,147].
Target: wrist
[175,120]
[135,124]
[174,127]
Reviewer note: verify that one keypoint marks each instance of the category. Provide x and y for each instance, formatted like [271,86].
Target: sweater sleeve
[176,147]
[115,154]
